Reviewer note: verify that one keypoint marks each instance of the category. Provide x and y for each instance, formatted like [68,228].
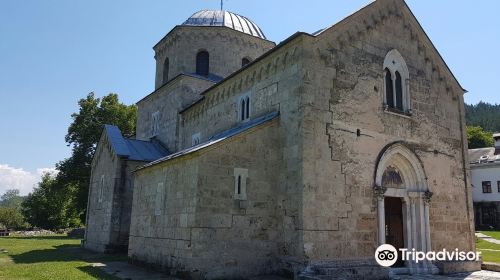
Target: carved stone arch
[412,190]
[408,163]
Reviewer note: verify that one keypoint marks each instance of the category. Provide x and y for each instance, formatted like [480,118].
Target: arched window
[389,90]
[245,61]
[166,65]
[244,108]
[202,63]
[247,111]
[396,83]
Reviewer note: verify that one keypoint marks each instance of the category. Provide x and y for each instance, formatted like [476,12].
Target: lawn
[488,255]
[49,257]
[494,234]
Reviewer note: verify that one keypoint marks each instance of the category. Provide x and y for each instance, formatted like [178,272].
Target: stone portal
[403,198]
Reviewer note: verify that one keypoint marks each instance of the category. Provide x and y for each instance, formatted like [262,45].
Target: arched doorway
[403,198]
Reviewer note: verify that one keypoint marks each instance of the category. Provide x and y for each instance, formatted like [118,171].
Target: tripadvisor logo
[386,255]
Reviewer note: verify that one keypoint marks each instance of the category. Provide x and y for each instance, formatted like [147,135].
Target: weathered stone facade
[109,204]
[299,181]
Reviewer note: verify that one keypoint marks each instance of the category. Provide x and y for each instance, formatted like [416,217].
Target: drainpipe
[464,166]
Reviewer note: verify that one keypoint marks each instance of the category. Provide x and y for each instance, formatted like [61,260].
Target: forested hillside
[485,115]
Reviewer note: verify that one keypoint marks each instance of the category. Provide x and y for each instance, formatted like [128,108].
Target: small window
[244,62]
[155,123]
[486,186]
[195,139]
[203,63]
[159,199]
[240,183]
[166,65]
[244,108]
[247,110]
[101,189]
[238,189]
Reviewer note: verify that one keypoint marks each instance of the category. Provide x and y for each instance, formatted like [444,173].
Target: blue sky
[54,52]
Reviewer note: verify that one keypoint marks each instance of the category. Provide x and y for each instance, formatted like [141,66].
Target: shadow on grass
[97,272]
[64,253]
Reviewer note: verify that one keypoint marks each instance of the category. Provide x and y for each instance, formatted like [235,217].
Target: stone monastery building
[299,158]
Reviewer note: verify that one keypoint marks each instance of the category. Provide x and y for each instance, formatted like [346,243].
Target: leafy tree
[478,138]
[11,199]
[83,135]
[49,205]
[12,218]
[61,201]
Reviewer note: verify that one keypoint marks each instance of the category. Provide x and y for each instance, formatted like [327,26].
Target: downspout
[464,166]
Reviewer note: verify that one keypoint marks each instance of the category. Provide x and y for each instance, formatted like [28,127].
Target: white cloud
[18,178]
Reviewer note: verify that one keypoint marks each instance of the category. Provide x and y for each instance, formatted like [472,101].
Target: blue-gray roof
[133,149]
[218,138]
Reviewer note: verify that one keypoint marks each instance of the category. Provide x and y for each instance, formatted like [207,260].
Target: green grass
[494,234]
[50,258]
[489,256]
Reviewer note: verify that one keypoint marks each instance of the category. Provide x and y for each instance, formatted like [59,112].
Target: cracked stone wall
[346,127]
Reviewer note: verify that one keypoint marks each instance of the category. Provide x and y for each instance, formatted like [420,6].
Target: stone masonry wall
[122,205]
[225,46]
[163,215]
[346,128]
[99,221]
[236,238]
[201,225]
[273,83]
[168,101]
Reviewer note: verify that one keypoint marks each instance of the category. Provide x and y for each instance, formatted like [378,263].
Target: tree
[478,138]
[11,199]
[49,205]
[83,135]
[12,218]
[61,201]
[484,115]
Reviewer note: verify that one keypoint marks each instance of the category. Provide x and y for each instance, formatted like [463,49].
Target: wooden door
[394,234]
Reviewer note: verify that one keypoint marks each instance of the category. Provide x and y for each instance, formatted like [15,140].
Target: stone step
[352,271]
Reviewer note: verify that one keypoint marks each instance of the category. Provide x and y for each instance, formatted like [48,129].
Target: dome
[225,18]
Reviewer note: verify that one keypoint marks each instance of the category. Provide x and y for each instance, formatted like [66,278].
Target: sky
[54,52]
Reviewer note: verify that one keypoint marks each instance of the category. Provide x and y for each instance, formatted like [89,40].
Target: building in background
[485,177]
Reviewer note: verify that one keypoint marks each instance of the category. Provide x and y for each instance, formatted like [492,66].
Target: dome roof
[225,18]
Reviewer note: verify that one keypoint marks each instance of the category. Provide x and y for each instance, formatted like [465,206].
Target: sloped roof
[217,138]
[133,149]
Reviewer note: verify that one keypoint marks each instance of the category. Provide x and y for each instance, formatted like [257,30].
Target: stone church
[297,159]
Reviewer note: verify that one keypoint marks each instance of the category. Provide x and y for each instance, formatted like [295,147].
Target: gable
[131,149]
[368,19]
